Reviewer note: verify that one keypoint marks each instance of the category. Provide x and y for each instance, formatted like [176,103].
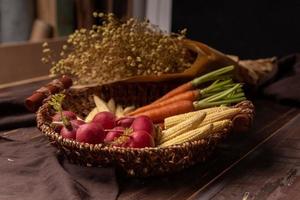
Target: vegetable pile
[192,111]
[187,98]
[105,126]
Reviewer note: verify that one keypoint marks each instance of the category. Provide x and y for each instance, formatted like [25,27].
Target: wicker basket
[137,91]
[133,162]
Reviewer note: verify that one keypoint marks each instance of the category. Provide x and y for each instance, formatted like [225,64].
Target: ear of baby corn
[221,125]
[192,135]
[182,127]
[218,116]
[215,128]
[172,121]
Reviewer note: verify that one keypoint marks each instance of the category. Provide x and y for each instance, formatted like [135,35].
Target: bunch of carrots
[190,97]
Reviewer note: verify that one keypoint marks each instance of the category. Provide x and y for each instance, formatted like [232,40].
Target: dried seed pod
[119,49]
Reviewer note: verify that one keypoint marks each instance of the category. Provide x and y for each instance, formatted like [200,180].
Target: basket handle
[33,102]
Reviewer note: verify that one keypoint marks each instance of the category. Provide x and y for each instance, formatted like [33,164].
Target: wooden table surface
[262,164]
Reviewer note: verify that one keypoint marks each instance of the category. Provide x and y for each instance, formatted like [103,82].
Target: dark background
[247,28]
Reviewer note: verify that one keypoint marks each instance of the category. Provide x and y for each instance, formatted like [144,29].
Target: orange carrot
[228,96]
[196,82]
[191,95]
[157,115]
[182,88]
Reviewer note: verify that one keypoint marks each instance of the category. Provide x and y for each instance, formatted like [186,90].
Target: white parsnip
[111,105]
[119,111]
[128,109]
[91,115]
[100,104]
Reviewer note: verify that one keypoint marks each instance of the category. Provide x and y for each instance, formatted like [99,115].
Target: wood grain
[262,164]
[20,61]
[205,181]
[266,174]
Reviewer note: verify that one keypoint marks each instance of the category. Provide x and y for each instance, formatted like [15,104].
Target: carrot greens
[56,102]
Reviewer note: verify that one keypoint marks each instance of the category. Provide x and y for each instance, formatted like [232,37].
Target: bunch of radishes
[138,132]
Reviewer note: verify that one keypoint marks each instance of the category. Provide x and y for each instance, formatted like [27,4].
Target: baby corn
[192,135]
[172,121]
[182,127]
[217,116]
[221,125]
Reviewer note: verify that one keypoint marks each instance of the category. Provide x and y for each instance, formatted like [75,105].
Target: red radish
[68,114]
[57,127]
[143,123]
[140,139]
[114,133]
[76,123]
[125,121]
[70,133]
[57,118]
[106,119]
[92,133]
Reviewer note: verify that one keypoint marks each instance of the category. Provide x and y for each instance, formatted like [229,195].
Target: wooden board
[219,177]
[21,61]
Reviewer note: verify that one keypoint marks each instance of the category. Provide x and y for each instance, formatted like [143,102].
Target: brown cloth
[13,113]
[285,86]
[31,169]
